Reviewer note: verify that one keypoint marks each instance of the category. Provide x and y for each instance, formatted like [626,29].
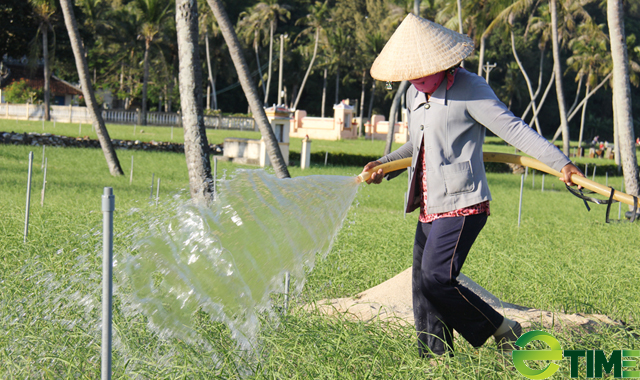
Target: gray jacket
[452,125]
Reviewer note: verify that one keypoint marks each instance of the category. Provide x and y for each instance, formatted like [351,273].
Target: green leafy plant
[22,92]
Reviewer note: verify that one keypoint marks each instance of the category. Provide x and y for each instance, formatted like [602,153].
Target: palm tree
[87,90]
[210,26]
[335,53]
[154,15]
[590,59]
[271,11]
[557,69]
[249,88]
[45,9]
[251,28]
[315,21]
[196,147]
[622,95]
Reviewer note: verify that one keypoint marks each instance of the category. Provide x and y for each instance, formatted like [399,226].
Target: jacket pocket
[458,178]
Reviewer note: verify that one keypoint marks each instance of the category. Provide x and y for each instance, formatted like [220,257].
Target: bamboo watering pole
[517,160]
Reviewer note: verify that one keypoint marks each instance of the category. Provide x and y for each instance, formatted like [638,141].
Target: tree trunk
[47,71]
[535,95]
[260,81]
[361,120]
[249,88]
[213,86]
[404,85]
[459,2]
[145,82]
[622,95]
[586,97]
[526,78]
[280,71]
[324,92]
[373,92]
[306,75]
[564,123]
[575,101]
[481,54]
[584,109]
[87,89]
[266,94]
[416,7]
[337,85]
[196,146]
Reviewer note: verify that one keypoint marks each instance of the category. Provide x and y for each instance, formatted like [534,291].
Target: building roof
[14,72]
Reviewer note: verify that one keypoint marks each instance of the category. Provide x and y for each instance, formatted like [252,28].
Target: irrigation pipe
[517,160]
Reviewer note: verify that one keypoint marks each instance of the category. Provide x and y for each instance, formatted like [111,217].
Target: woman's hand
[376,177]
[567,171]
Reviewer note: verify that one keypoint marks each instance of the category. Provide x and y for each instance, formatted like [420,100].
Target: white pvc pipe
[158,192]
[520,204]
[44,183]
[26,218]
[215,177]
[108,206]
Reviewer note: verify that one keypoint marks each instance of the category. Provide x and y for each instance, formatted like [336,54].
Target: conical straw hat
[419,48]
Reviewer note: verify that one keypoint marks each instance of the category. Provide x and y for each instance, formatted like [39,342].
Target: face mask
[428,84]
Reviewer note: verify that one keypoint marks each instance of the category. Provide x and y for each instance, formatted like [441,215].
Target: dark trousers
[440,303]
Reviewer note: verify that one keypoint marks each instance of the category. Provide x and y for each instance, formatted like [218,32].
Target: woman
[448,111]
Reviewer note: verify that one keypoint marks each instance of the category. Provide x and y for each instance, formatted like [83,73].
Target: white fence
[70,114]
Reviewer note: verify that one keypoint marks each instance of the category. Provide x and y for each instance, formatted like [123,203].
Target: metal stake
[151,194]
[326,156]
[26,218]
[533,179]
[215,177]
[542,190]
[606,179]
[44,183]
[42,166]
[131,175]
[108,206]
[593,178]
[158,192]
[520,204]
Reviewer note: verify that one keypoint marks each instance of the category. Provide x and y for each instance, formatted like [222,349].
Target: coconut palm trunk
[196,146]
[393,115]
[306,75]
[564,123]
[47,72]
[362,91]
[324,92]
[211,82]
[266,94]
[145,82]
[249,88]
[526,78]
[622,95]
[87,90]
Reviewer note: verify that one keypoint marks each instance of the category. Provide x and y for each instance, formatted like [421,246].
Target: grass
[561,258]
[216,136]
